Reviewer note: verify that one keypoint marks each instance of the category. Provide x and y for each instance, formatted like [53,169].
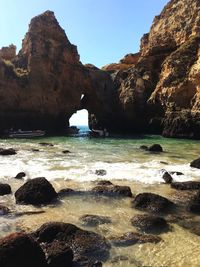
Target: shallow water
[125,164]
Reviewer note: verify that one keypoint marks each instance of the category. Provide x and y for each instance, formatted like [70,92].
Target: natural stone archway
[42,86]
[154,91]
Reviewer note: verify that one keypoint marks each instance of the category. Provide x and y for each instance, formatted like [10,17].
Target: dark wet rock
[58,254]
[66,152]
[100,172]
[150,223]
[7,152]
[21,250]
[20,175]
[5,189]
[94,220]
[152,203]
[189,185]
[131,238]
[45,144]
[4,210]
[194,208]
[104,182]
[144,147]
[195,163]
[36,192]
[164,162]
[190,224]
[194,204]
[167,178]
[35,150]
[83,243]
[86,262]
[66,192]
[155,148]
[113,190]
[176,218]
[176,173]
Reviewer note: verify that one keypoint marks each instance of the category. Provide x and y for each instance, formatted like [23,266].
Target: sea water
[125,164]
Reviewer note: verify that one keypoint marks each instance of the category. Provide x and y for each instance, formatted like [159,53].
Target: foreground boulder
[195,163]
[58,254]
[94,220]
[36,192]
[190,185]
[83,243]
[150,223]
[131,238]
[21,250]
[152,203]
[7,152]
[5,189]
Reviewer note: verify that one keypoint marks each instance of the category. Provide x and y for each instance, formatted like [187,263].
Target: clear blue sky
[103,30]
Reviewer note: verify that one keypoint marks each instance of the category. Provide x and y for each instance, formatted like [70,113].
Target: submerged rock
[150,223]
[104,182]
[189,185]
[21,250]
[5,189]
[45,144]
[131,238]
[83,243]
[20,175]
[4,210]
[195,163]
[94,220]
[112,190]
[152,203]
[66,192]
[7,152]
[36,192]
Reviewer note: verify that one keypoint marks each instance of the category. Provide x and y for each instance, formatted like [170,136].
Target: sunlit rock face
[41,87]
[160,93]
[154,91]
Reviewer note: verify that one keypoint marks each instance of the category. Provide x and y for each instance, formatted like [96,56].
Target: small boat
[26,134]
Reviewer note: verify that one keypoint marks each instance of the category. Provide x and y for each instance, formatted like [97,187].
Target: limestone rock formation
[154,91]
[160,93]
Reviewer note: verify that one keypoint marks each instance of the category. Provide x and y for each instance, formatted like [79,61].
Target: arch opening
[79,120]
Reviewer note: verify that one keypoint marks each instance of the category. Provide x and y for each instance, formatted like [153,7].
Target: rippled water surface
[125,164]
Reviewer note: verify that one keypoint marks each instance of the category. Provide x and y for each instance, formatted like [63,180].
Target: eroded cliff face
[160,93]
[42,86]
[154,91]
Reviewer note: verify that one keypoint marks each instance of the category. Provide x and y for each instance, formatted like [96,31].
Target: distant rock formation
[8,52]
[154,91]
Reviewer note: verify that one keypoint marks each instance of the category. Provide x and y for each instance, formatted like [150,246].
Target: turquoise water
[122,158]
[125,164]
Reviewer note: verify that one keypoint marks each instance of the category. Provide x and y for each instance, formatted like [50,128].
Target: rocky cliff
[42,86]
[160,93]
[154,91]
